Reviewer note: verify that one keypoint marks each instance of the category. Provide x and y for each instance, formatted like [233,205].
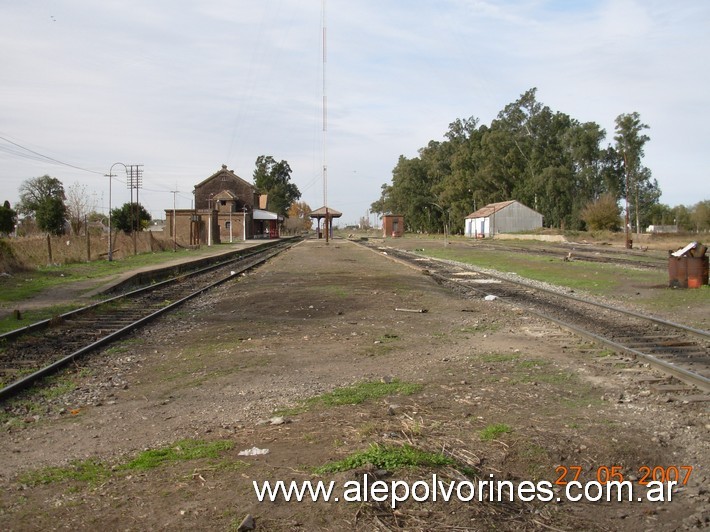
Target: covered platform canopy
[328,213]
[266,223]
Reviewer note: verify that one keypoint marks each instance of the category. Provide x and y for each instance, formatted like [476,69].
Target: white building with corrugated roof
[503,217]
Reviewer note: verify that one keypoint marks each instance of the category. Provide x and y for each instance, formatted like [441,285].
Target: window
[227,224]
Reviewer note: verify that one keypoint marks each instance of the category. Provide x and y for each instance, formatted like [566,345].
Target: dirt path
[310,321]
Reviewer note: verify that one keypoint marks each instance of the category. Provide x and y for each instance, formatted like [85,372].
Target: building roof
[225,195]
[259,214]
[489,209]
[320,213]
[223,171]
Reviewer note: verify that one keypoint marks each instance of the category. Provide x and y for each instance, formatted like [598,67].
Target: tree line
[545,159]
[46,206]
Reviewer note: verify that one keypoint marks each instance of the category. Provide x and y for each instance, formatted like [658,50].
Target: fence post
[49,248]
[88,240]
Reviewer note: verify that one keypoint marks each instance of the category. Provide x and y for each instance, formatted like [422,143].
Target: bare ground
[322,317]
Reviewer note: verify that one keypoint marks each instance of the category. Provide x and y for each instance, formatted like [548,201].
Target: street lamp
[110,242]
[244,223]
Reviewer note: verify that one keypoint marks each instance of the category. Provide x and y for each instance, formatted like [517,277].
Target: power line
[44,157]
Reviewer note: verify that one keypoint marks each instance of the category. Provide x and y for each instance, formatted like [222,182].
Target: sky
[183,87]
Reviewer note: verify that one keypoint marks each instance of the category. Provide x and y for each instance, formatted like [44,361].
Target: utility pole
[110,180]
[135,180]
[627,221]
[174,192]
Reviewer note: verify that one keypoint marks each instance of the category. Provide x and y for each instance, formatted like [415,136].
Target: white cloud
[186,86]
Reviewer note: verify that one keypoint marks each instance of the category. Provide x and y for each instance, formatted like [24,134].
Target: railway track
[583,253]
[31,353]
[675,349]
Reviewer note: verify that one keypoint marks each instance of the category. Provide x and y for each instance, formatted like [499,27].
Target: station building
[226,209]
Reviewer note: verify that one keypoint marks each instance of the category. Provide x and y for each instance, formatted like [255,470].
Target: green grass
[21,286]
[532,364]
[26,401]
[355,395]
[383,345]
[592,277]
[499,357]
[28,317]
[340,292]
[387,457]
[607,280]
[179,451]
[92,471]
[364,391]
[56,386]
[491,432]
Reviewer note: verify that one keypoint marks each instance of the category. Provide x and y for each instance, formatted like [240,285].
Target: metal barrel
[678,272]
[697,271]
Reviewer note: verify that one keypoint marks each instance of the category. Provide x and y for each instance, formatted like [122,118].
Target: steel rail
[692,330]
[695,379]
[23,383]
[689,377]
[43,324]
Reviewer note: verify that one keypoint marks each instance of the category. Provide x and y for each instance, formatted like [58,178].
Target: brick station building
[226,208]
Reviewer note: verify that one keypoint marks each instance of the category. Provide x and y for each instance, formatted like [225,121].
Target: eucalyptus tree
[456,192]
[410,194]
[639,189]
[530,153]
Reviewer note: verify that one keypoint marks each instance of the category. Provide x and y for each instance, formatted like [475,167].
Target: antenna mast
[325,129]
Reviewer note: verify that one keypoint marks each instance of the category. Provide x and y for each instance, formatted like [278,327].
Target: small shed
[503,217]
[392,225]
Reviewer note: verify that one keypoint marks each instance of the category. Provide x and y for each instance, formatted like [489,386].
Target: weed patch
[495,358]
[179,451]
[387,457]
[92,471]
[89,471]
[364,391]
[491,432]
[354,395]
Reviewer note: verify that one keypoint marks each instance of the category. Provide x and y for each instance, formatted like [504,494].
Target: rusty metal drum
[697,271]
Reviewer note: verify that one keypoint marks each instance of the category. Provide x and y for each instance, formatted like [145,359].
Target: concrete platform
[81,292]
